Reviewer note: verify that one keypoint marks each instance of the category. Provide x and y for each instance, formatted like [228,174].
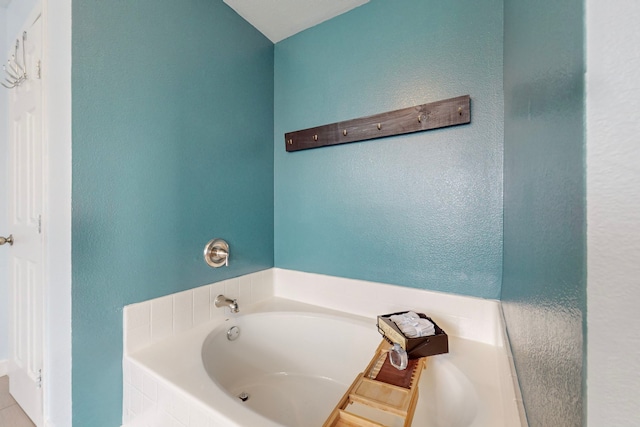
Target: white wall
[4,164]
[17,13]
[613,212]
[57,76]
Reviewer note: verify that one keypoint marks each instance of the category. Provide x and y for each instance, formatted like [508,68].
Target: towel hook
[16,73]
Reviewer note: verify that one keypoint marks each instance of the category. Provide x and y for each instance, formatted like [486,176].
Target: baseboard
[4,367]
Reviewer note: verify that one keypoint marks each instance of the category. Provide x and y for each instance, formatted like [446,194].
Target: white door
[25,223]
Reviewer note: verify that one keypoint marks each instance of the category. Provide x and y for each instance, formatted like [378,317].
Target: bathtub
[291,367]
[291,362]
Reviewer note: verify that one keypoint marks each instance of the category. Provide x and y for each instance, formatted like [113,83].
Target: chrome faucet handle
[221,253]
[216,253]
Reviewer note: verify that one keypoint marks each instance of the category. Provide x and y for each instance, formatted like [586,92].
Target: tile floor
[11,414]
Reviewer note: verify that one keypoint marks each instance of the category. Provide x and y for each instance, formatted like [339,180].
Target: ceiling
[279,19]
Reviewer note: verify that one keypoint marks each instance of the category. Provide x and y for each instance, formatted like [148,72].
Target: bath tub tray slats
[346,419]
[381,396]
[371,400]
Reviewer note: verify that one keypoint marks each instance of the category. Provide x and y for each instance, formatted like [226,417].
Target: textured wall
[172,126]
[422,210]
[543,287]
[613,175]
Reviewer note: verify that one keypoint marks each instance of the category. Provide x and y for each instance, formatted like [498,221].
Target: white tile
[136,402]
[216,420]
[136,378]
[149,387]
[126,371]
[126,402]
[262,285]
[244,290]
[180,410]
[137,315]
[197,418]
[161,318]
[163,419]
[126,317]
[231,291]
[182,311]
[216,289]
[201,305]
[164,399]
[126,418]
[138,338]
[149,406]
[173,404]
[232,288]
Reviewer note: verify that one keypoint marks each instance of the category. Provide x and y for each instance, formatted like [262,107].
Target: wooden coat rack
[435,115]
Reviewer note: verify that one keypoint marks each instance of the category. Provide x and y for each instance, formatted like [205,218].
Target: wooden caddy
[376,399]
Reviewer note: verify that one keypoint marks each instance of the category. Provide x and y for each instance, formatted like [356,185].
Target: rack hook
[16,72]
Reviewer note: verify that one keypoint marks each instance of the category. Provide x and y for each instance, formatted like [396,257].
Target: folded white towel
[422,328]
[412,326]
[408,317]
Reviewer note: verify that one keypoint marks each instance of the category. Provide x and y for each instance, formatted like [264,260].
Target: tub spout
[222,301]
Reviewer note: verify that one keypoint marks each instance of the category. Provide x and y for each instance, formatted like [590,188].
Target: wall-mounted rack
[449,112]
[15,72]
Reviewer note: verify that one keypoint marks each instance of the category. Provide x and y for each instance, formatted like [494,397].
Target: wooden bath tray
[381,395]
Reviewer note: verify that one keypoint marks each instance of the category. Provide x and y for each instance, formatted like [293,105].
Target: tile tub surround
[154,320]
[151,400]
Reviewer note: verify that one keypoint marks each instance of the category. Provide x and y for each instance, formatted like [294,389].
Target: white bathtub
[295,361]
[293,366]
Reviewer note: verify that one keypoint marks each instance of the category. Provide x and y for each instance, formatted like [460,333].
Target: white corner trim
[511,378]
[57,127]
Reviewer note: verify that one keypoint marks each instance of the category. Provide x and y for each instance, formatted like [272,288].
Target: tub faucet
[222,301]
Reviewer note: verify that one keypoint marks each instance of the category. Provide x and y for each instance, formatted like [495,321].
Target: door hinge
[39,69]
[39,379]
[39,224]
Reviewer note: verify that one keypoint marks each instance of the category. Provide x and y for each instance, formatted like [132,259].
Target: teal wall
[174,109]
[423,210]
[544,285]
[172,146]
